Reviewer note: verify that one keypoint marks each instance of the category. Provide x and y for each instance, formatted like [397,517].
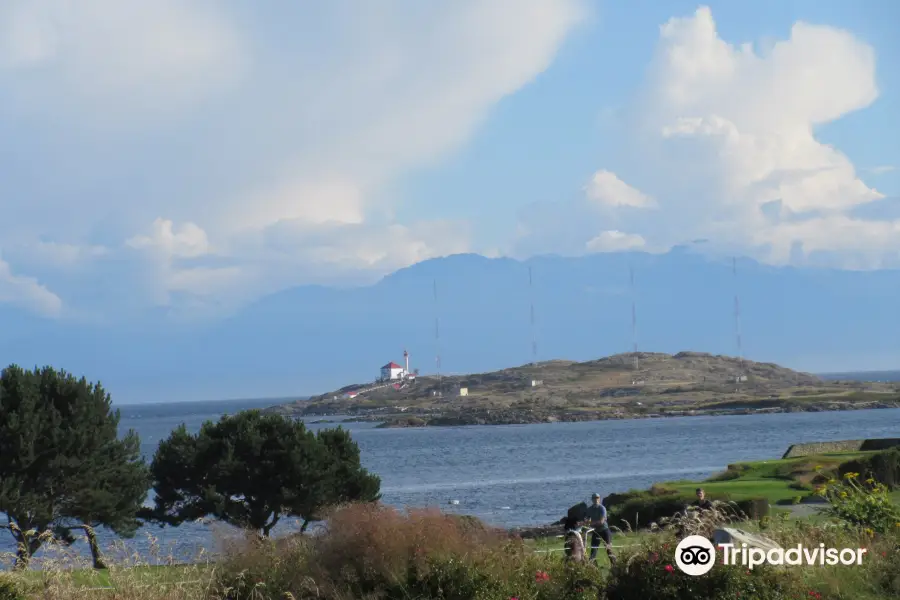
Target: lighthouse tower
[406,360]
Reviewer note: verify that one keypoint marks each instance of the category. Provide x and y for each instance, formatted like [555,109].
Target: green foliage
[62,465]
[865,504]
[11,589]
[251,469]
[883,467]
[650,572]
[637,509]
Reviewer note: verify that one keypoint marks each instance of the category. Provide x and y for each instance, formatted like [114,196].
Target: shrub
[639,509]
[375,551]
[733,471]
[863,504]
[883,467]
[650,572]
[753,508]
[10,589]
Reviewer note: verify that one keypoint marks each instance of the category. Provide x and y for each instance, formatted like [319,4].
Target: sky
[197,156]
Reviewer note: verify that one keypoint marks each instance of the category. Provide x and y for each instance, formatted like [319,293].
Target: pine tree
[251,469]
[62,464]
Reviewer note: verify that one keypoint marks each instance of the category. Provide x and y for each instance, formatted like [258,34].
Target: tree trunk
[26,546]
[95,547]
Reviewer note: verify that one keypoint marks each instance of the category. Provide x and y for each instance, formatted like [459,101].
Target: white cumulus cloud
[607,189]
[724,147]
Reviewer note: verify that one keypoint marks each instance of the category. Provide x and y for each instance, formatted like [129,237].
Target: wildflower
[541,577]
[669,568]
[818,468]
[870,481]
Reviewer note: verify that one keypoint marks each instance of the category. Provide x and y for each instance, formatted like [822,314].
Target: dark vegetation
[251,469]
[63,467]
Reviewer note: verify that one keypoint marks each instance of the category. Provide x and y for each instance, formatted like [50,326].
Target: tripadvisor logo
[696,555]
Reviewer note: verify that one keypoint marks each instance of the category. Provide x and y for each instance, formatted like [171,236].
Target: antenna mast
[633,321]
[437,338]
[737,318]
[531,299]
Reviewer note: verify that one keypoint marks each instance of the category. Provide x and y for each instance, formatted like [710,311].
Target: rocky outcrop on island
[645,385]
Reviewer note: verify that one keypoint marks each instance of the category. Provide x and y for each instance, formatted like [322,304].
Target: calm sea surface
[524,474]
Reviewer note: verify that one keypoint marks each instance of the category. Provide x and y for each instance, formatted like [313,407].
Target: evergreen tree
[62,464]
[251,469]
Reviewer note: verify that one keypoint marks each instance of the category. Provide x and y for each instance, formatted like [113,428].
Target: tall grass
[373,551]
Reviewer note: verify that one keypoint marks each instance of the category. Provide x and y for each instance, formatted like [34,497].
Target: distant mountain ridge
[308,339]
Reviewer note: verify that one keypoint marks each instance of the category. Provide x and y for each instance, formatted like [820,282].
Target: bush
[640,509]
[863,504]
[753,508]
[650,572]
[732,472]
[375,551]
[883,467]
[10,589]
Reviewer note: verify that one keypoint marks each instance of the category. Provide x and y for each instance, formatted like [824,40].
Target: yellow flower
[870,481]
[851,475]
[843,494]
[818,468]
[832,481]
[870,532]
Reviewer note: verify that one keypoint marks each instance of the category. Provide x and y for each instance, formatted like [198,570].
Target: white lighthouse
[406,360]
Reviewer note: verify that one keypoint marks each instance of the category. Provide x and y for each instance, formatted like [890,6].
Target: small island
[623,386]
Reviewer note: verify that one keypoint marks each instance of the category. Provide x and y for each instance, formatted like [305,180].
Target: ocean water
[514,475]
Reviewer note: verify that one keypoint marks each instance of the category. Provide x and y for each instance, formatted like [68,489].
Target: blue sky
[195,157]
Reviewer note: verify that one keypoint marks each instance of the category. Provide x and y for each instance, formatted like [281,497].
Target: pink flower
[669,568]
[541,576]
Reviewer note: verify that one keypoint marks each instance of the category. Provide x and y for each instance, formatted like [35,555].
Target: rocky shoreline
[484,416]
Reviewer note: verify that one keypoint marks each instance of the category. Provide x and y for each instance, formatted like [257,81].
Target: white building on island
[392,371]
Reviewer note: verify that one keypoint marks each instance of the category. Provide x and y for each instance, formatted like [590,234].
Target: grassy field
[778,480]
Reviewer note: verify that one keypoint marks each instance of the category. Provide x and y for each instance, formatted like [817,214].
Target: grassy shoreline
[780,480]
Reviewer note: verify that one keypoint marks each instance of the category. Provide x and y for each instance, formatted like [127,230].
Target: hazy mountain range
[311,339]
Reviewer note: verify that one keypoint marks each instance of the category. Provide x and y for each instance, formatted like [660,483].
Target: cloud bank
[219,152]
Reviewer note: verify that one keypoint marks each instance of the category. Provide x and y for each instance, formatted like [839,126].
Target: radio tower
[437,339]
[633,321]
[737,318]
[533,337]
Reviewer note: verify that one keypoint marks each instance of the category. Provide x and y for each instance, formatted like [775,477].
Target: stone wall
[797,450]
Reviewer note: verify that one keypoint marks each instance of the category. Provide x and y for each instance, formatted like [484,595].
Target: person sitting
[574,545]
[702,503]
